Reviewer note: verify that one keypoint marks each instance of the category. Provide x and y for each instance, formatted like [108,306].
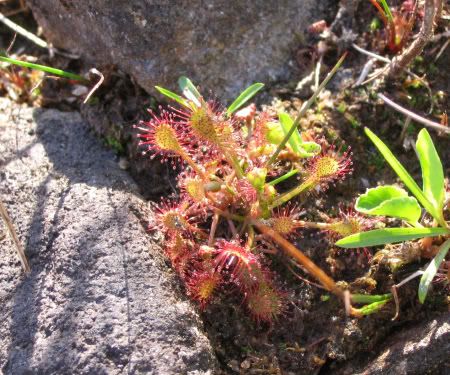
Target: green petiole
[284,177]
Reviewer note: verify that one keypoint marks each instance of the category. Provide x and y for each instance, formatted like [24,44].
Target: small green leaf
[172,96]
[286,123]
[372,308]
[189,90]
[309,149]
[302,149]
[257,177]
[432,172]
[368,298]
[388,235]
[390,201]
[243,97]
[402,173]
[274,133]
[431,270]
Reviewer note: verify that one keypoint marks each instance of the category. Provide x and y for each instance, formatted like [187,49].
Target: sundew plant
[230,210]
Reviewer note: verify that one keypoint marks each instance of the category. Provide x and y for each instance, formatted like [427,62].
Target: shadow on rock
[99,298]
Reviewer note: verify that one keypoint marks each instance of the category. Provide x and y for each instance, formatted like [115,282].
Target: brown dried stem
[414,116]
[432,13]
[14,237]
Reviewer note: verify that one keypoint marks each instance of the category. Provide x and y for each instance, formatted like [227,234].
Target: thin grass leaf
[172,96]
[189,90]
[372,308]
[368,298]
[432,172]
[43,68]
[431,271]
[304,108]
[284,177]
[387,10]
[388,235]
[402,173]
[244,97]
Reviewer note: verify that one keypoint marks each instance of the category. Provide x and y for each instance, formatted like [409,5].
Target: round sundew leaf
[389,201]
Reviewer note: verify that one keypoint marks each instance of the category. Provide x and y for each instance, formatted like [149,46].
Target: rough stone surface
[99,299]
[223,46]
[421,349]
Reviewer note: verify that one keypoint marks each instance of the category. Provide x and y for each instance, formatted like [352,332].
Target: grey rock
[223,46]
[99,299]
[421,349]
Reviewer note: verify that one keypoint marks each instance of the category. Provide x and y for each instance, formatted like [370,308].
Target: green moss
[115,144]
[375,24]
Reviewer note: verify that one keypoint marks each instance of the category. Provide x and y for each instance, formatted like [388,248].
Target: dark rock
[421,349]
[99,299]
[223,46]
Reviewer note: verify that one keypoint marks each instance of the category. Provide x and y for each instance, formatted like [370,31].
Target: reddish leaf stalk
[291,250]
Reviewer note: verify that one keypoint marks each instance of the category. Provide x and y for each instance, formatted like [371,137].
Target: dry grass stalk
[14,237]
[433,10]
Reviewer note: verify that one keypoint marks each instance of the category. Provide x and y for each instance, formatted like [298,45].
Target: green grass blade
[388,235]
[283,177]
[43,68]
[372,308]
[189,90]
[432,173]
[243,97]
[431,270]
[368,298]
[401,172]
[172,96]
[304,108]
[387,10]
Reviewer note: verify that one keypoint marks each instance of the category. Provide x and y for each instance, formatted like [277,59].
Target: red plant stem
[381,11]
[291,250]
[212,231]
[388,23]
[192,164]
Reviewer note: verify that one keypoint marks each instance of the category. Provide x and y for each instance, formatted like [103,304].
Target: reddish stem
[291,250]
[388,23]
